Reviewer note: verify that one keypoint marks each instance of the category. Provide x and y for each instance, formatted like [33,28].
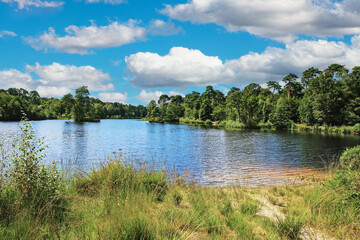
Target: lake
[212,156]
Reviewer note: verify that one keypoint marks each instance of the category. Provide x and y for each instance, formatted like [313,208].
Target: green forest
[15,103]
[330,97]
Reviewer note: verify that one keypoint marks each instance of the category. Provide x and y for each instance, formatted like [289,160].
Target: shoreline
[296,127]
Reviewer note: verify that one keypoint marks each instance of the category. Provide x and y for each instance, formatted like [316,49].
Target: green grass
[231,124]
[354,130]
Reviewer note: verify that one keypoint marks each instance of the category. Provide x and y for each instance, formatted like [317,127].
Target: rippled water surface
[212,156]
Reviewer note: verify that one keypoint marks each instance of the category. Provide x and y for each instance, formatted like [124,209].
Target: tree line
[330,97]
[15,103]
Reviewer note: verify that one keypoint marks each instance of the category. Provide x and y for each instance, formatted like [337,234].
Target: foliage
[14,102]
[328,98]
[27,184]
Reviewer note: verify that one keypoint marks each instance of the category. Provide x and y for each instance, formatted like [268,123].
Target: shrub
[27,182]
[350,159]
[221,124]
[208,122]
[356,128]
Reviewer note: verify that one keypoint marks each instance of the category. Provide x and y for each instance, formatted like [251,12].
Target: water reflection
[213,156]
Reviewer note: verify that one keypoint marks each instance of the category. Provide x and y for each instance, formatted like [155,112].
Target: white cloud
[275,63]
[112,2]
[116,62]
[80,39]
[183,67]
[281,20]
[113,97]
[34,3]
[72,76]
[4,33]
[56,80]
[13,78]
[52,91]
[146,97]
[159,27]
[180,67]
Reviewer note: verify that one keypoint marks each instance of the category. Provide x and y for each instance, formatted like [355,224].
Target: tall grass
[337,201]
[231,124]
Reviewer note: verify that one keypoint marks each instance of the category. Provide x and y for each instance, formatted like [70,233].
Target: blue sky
[133,51]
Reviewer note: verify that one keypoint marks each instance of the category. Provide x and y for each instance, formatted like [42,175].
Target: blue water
[212,156]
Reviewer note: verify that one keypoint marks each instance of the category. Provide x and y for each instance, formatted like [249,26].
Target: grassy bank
[230,124]
[121,201]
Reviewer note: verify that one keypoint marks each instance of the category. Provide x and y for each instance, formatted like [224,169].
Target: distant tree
[82,104]
[336,71]
[289,81]
[274,86]
[68,102]
[233,101]
[309,74]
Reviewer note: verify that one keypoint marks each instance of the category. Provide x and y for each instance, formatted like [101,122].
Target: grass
[231,124]
[354,130]
[119,200]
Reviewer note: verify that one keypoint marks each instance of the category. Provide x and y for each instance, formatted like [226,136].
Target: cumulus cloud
[16,79]
[180,67]
[25,4]
[275,63]
[281,20]
[113,97]
[80,39]
[112,2]
[4,33]
[159,27]
[56,80]
[183,67]
[146,97]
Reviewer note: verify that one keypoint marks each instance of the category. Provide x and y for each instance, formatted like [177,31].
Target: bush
[350,159]
[208,122]
[356,128]
[26,182]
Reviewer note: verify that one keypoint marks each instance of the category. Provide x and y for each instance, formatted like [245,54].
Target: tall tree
[289,83]
[82,104]
[273,86]
[309,74]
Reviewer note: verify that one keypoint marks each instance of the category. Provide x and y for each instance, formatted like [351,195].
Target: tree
[152,111]
[82,104]
[309,74]
[192,105]
[336,71]
[163,104]
[326,100]
[68,102]
[233,101]
[289,83]
[274,86]
[284,112]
